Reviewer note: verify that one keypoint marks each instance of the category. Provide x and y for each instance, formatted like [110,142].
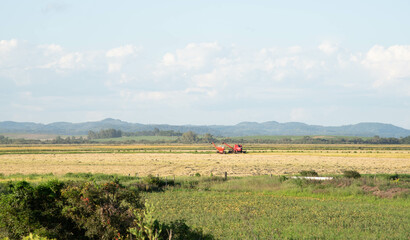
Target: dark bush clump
[282,178]
[309,173]
[68,210]
[351,174]
[180,231]
[156,181]
[393,177]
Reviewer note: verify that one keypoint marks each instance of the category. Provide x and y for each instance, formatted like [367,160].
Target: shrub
[351,174]
[103,211]
[26,209]
[147,227]
[197,174]
[310,173]
[66,211]
[35,237]
[156,181]
[282,178]
[179,230]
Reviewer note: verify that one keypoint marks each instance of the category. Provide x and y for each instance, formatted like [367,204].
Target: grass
[268,137]
[277,207]
[268,208]
[261,215]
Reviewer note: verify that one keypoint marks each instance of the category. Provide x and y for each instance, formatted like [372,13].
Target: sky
[211,62]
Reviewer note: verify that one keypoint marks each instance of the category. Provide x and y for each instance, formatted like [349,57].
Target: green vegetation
[157,136]
[105,133]
[139,139]
[351,174]
[308,173]
[82,210]
[101,206]
[276,208]
[318,140]
[199,148]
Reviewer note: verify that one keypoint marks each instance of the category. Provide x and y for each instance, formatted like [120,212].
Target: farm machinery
[219,149]
[236,149]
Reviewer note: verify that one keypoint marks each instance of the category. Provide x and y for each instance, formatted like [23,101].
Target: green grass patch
[276,208]
[269,207]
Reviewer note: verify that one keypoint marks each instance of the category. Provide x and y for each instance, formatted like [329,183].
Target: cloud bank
[205,83]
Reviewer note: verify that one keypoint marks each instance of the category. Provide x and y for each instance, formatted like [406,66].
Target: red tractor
[236,149]
[220,149]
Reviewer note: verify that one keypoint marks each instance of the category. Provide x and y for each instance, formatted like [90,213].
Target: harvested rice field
[184,160]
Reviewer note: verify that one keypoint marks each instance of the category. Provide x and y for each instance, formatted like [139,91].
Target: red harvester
[236,149]
[220,149]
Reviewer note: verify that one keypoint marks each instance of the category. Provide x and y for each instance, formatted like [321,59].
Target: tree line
[57,140]
[155,132]
[192,137]
[113,133]
[317,140]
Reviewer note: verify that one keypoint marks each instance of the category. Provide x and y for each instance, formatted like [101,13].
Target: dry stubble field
[28,160]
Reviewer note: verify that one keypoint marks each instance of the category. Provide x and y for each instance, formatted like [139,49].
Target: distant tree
[108,133]
[189,137]
[91,135]
[208,138]
[405,140]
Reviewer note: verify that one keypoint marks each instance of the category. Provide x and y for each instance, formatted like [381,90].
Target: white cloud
[328,47]
[117,56]
[114,67]
[194,55]
[203,76]
[390,66]
[168,59]
[8,45]
[71,61]
[212,79]
[50,49]
[122,51]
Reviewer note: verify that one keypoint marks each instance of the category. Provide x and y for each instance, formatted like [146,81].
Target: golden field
[183,160]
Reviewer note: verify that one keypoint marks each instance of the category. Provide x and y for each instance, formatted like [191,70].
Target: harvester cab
[237,148]
[219,149]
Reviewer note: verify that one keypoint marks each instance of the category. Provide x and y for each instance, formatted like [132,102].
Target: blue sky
[205,62]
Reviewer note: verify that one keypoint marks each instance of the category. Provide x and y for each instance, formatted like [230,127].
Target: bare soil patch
[389,193]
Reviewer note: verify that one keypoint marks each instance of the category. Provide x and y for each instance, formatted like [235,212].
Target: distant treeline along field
[170,136]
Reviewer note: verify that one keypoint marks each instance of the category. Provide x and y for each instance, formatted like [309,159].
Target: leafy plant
[146,227]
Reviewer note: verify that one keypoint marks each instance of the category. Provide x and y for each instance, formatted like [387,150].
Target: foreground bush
[102,211]
[68,211]
[351,174]
[82,210]
[308,173]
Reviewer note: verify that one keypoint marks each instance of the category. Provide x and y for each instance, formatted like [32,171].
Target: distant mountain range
[241,129]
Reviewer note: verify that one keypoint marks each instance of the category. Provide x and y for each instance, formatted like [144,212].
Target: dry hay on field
[167,164]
